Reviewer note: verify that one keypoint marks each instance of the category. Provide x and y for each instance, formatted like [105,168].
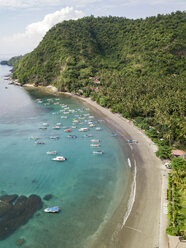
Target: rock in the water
[4,207]
[8,198]
[47,197]
[20,242]
[18,214]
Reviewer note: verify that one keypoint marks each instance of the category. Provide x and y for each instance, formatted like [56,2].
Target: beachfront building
[178,153]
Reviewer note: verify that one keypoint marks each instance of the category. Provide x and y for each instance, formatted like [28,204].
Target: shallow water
[87,187]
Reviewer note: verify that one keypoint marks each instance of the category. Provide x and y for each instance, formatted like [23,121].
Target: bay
[87,187]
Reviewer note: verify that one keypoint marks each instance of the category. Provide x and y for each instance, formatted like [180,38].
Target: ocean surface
[87,187]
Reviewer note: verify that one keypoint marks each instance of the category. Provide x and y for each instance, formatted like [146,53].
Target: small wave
[132,196]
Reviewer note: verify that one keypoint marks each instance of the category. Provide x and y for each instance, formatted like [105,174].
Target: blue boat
[55,209]
[114,134]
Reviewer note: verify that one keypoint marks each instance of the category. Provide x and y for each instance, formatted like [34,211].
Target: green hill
[135,67]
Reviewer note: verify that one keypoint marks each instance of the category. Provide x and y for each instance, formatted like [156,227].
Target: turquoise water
[87,187]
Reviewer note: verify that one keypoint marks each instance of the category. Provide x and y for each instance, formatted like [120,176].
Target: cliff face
[73,51]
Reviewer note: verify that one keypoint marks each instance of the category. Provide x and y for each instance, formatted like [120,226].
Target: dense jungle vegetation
[177,198]
[134,67]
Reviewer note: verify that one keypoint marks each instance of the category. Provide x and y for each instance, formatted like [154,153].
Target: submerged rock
[47,197]
[20,242]
[15,215]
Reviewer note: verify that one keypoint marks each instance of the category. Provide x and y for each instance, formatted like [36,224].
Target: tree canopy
[134,67]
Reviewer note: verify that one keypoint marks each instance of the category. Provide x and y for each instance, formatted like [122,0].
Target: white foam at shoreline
[129,163]
[132,197]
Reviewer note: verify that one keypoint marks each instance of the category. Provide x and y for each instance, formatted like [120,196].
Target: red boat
[68,130]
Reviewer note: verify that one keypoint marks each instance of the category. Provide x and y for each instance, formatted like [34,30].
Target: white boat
[55,209]
[83,129]
[59,158]
[63,117]
[45,124]
[58,124]
[97,152]
[95,140]
[98,129]
[51,153]
[56,127]
[95,145]
[92,125]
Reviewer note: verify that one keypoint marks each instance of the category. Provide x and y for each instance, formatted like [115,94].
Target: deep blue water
[87,187]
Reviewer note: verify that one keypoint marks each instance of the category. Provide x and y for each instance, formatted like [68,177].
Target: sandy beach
[146,224]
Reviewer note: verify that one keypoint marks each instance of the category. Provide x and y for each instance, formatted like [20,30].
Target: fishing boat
[56,127]
[132,141]
[72,136]
[55,209]
[92,125]
[97,152]
[40,142]
[95,140]
[83,129]
[44,127]
[95,145]
[114,134]
[54,137]
[68,130]
[51,153]
[34,138]
[59,158]
[87,135]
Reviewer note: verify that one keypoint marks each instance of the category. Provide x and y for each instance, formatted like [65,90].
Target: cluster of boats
[80,118]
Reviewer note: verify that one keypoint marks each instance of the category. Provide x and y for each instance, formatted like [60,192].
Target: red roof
[178,152]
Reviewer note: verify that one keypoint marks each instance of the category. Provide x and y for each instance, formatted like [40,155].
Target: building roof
[178,152]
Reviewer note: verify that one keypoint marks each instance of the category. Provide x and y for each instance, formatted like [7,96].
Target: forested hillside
[134,67]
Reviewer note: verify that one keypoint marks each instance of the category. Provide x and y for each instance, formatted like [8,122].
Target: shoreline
[142,227]
[145,222]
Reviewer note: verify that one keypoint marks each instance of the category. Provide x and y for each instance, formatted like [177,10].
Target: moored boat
[68,130]
[95,145]
[59,158]
[55,209]
[56,127]
[97,152]
[51,153]
[95,140]
[72,136]
[40,142]
[54,137]
[83,129]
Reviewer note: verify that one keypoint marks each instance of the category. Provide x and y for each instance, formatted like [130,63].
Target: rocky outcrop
[47,197]
[15,215]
